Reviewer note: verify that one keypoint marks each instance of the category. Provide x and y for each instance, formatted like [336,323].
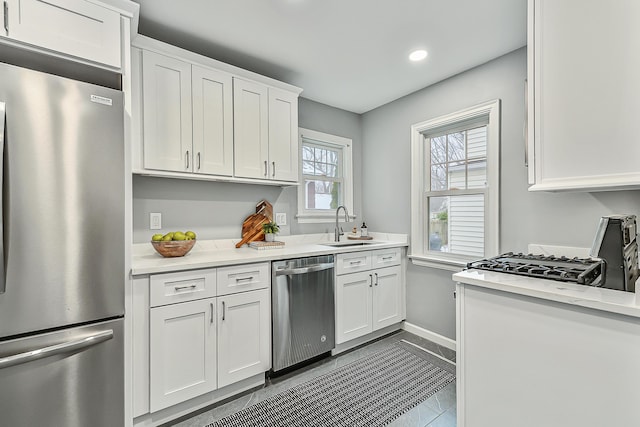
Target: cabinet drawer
[352,262]
[240,278]
[170,288]
[386,257]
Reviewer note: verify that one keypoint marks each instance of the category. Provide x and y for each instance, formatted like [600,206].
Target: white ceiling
[350,54]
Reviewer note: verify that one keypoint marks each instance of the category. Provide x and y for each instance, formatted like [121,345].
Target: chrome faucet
[338,230]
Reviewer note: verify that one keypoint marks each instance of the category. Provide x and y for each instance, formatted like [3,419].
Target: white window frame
[421,183]
[334,142]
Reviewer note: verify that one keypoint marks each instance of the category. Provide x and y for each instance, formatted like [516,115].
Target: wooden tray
[359,237]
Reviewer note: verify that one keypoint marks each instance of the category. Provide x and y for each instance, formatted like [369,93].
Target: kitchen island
[535,352]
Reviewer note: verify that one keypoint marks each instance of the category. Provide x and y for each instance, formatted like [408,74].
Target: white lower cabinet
[550,362]
[198,342]
[244,335]
[387,297]
[367,301]
[353,306]
[182,352]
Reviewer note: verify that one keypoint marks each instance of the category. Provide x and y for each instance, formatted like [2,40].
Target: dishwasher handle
[304,270]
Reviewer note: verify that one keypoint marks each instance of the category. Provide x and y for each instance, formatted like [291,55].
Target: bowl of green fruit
[174,243]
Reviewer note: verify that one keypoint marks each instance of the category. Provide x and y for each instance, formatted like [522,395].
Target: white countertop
[609,300]
[216,253]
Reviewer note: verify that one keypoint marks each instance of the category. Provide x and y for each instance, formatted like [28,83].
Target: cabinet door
[251,129]
[166,84]
[283,135]
[244,336]
[585,111]
[353,306]
[75,27]
[212,122]
[182,352]
[387,297]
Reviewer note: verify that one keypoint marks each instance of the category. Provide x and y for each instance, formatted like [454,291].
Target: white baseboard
[429,335]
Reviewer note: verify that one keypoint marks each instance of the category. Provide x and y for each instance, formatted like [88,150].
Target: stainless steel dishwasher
[303,310]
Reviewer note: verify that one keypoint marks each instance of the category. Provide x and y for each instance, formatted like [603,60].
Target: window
[455,187]
[325,176]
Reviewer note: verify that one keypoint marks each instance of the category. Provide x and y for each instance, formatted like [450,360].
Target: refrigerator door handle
[65,347]
[3,276]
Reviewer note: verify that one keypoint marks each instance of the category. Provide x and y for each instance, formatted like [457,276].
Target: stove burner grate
[584,271]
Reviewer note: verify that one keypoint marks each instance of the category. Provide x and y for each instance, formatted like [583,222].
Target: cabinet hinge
[6,16]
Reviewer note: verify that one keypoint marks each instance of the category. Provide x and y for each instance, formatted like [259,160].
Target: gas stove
[583,271]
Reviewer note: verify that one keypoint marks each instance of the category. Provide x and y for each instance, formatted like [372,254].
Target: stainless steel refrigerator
[62,251]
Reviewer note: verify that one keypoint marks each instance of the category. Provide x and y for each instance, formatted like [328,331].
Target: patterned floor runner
[372,391]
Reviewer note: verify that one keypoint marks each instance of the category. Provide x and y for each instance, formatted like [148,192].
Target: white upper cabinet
[283,135]
[212,122]
[583,103]
[203,119]
[78,28]
[266,132]
[251,129]
[187,117]
[167,113]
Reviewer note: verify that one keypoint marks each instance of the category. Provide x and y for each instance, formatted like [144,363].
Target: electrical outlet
[281,218]
[155,221]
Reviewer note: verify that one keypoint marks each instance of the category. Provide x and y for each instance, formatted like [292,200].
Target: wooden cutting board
[252,225]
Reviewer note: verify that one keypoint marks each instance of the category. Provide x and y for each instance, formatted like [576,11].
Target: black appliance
[583,271]
[616,243]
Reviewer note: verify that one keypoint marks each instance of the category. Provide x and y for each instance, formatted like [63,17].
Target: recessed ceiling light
[418,55]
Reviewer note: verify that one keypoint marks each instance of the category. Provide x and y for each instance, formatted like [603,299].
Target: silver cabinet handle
[182,288]
[265,169]
[3,277]
[198,160]
[240,279]
[66,347]
[376,278]
[273,172]
[6,17]
[370,281]
[526,123]
[387,258]
[187,157]
[355,262]
[223,310]
[211,320]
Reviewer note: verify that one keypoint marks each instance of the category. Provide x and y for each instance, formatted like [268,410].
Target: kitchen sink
[342,244]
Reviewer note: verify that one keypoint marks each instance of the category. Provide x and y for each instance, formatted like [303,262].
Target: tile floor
[437,411]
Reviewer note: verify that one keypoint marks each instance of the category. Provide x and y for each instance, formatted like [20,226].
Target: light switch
[281,218]
[155,220]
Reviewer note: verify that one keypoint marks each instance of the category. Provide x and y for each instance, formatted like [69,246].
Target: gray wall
[566,219]
[381,153]
[215,210]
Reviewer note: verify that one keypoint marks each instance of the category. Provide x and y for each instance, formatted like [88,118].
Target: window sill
[436,262]
[322,218]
